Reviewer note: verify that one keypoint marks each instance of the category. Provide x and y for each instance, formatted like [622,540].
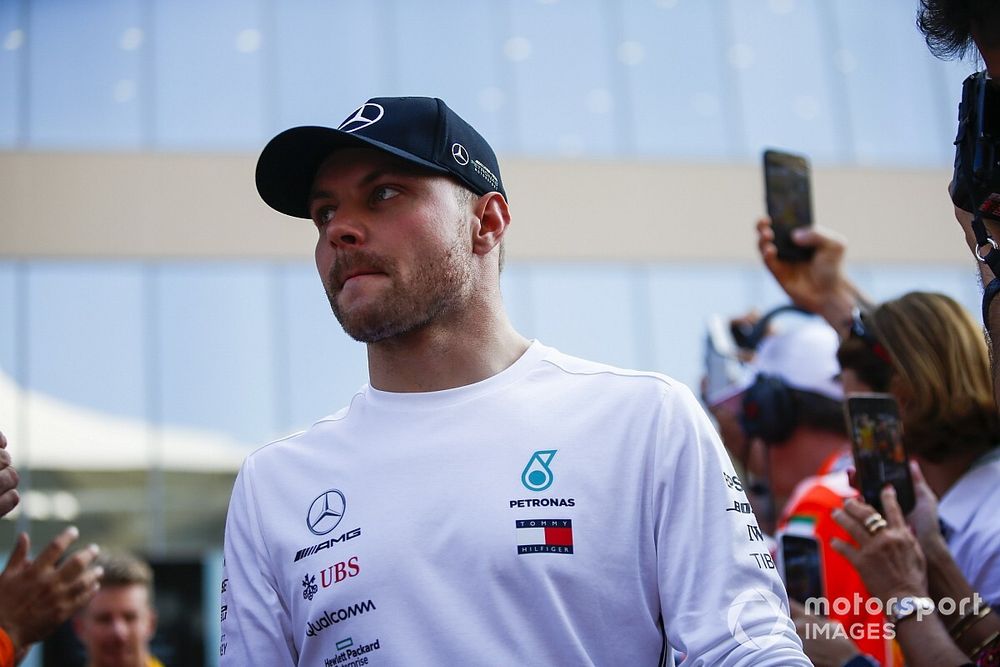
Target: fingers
[20,554]
[852,479]
[890,507]
[3,440]
[850,521]
[845,550]
[8,501]
[84,584]
[920,484]
[57,547]
[765,234]
[77,564]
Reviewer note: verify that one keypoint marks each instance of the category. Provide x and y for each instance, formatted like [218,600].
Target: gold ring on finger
[876,525]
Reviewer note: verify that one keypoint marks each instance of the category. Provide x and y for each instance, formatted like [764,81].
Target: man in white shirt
[484,499]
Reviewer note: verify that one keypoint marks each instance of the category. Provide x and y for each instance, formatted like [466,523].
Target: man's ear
[494,217]
[154,620]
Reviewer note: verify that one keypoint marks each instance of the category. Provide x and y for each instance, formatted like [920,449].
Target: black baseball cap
[421,130]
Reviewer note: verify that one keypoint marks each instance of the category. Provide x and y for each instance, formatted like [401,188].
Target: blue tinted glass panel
[587,310]
[458,63]
[683,297]
[86,336]
[85,77]
[779,52]
[948,77]
[12,48]
[321,367]
[671,56]
[515,287]
[564,103]
[215,348]
[960,283]
[8,325]
[209,75]
[894,102]
[330,58]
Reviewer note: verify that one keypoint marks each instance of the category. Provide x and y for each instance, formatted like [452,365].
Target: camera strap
[983,240]
[992,259]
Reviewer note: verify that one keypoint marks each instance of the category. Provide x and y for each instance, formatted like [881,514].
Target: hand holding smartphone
[800,565]
[789,202]
[879,456]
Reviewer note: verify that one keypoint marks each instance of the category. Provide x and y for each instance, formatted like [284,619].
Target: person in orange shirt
[792,416]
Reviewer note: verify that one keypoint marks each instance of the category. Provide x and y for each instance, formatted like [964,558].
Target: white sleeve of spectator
[255,625]
[722,600]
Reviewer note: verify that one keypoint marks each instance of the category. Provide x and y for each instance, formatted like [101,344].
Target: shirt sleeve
[721,599]
[256,627]
[6,650]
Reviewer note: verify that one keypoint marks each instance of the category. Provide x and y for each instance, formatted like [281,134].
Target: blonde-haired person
[117,625]
[927,351]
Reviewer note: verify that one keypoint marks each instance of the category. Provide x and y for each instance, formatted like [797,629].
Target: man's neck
[439,356]
[801,456]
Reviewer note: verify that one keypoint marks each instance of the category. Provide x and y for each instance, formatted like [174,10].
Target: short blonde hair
[942,366]
[123,569]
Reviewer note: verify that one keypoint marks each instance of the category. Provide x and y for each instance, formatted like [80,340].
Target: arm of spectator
[825,641]
[39,595]
[8,480]
[970,624]
[818,285]
[892,566]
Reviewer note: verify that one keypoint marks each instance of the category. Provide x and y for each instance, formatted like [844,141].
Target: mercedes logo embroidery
[326,512]
[367,114]
[460,154]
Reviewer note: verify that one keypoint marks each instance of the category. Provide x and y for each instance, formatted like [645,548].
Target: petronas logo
[537,476]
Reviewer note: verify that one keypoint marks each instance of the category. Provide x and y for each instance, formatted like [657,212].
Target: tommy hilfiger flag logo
[544,536]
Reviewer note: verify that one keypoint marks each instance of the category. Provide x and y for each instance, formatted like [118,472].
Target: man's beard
[435,286]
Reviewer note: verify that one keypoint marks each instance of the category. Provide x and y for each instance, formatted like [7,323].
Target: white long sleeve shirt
[561,512]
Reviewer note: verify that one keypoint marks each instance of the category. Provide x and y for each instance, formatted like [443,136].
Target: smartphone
[789,202]
[723,369]
[800,566]
[879,456]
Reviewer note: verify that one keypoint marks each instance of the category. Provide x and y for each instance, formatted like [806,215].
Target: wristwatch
[910,606]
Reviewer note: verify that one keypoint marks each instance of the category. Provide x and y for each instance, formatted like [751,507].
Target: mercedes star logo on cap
[326,512]
[367,114]
[460,154]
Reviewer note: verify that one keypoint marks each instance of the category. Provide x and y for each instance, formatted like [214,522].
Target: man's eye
[324,215]
[384,192]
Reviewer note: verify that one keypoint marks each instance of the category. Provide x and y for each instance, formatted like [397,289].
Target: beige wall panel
[199,206]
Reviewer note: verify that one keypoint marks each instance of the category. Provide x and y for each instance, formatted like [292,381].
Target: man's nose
[347,228]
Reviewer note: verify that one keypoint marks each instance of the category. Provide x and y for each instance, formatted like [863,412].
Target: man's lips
[357,273]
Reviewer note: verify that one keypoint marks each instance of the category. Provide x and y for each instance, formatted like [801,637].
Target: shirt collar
[961,502]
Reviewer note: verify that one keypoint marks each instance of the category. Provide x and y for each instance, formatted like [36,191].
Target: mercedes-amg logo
[326,512]
[367,114]
[460,154]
